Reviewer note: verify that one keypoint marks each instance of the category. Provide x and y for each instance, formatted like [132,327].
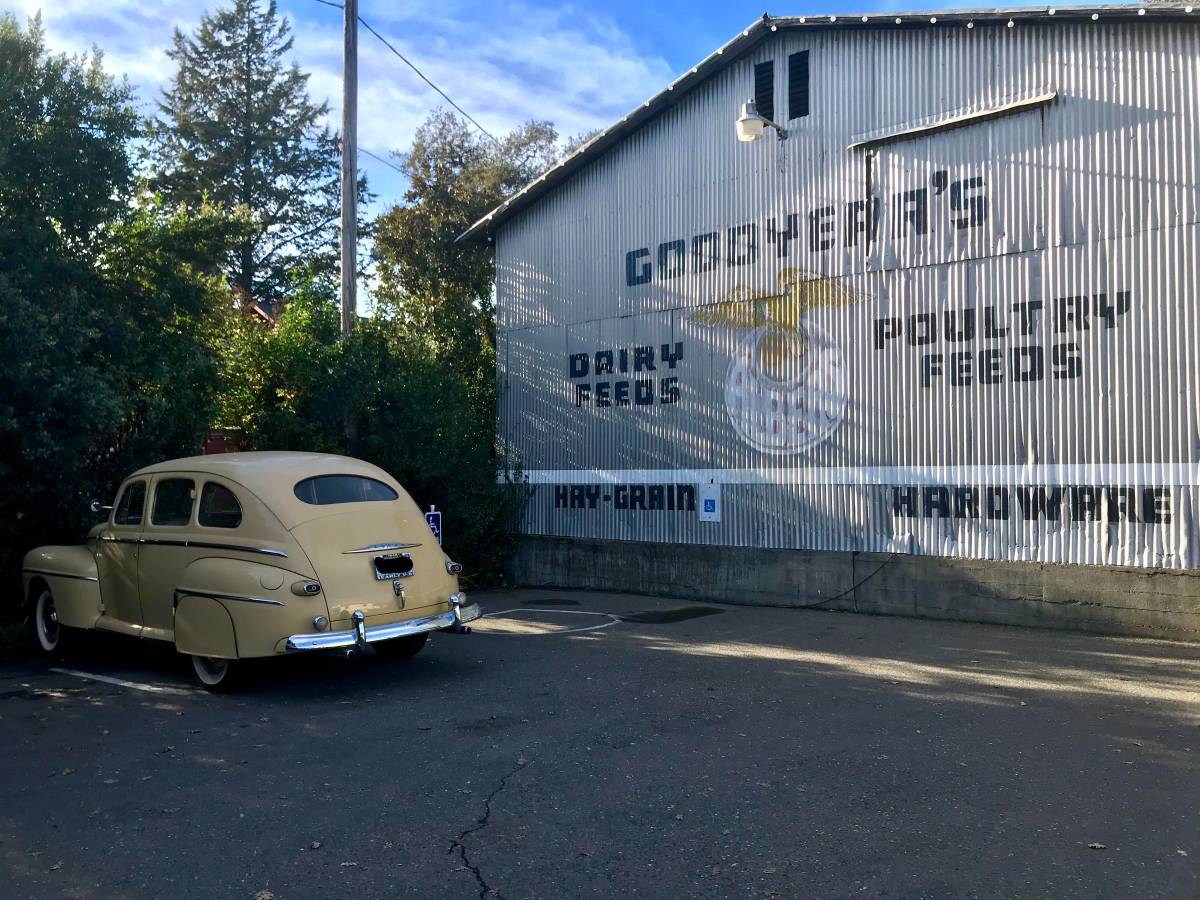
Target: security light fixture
[750,124]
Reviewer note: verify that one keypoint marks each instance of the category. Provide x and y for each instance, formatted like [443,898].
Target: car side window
[173,499]
[130,506]
[219,508]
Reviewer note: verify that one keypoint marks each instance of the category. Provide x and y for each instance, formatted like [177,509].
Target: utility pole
[349,167]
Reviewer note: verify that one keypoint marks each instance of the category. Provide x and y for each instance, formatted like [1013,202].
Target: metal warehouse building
[927,346]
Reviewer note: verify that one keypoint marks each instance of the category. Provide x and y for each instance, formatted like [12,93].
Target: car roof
[272,475]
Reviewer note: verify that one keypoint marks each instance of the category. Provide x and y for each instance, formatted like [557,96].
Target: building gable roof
[760,30]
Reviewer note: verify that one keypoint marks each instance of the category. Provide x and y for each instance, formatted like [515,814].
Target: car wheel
[402,648]
[51,635]
[215,674]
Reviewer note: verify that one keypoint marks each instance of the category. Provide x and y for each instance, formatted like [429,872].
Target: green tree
[64,170]
[436,289]
[103,300]
[575,141]
[237,126]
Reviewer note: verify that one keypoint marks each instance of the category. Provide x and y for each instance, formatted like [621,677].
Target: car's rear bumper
[361,634]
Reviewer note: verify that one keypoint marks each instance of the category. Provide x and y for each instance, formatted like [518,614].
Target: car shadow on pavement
[301,676]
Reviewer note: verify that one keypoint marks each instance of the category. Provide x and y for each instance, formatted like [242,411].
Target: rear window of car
[173,498]
[323,490]
[219,508]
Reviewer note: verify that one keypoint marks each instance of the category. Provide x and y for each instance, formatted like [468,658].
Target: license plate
[390,566]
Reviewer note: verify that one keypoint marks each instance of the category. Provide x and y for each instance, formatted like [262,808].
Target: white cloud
[504,63]
[578,71]
[134,37]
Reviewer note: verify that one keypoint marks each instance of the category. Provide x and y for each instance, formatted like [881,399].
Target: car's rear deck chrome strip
[378,548]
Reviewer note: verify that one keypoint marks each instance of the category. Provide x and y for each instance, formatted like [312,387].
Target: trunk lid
[380,558]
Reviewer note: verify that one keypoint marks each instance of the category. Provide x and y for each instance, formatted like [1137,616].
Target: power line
[365,152]
[365,24]
[426,80]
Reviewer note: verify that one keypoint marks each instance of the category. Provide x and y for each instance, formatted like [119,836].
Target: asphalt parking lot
[582,744]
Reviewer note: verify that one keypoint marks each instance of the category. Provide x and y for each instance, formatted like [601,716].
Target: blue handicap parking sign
[435,524]
[710,505]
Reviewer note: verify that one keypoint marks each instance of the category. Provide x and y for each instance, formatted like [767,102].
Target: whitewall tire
[51,634]
[215,674]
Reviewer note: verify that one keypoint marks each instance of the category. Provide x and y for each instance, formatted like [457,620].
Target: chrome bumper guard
[361,635]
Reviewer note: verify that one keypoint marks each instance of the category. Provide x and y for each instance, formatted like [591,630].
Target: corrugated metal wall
[1007,370]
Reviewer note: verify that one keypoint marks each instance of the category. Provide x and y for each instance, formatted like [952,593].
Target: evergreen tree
[237,125]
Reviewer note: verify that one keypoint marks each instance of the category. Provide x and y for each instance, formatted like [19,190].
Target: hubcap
[47,621]
[209,669]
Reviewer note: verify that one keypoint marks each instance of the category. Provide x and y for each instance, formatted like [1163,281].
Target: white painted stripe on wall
[1101,474]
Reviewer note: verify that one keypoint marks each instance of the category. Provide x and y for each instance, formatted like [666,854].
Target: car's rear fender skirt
[204,627]
[70,574]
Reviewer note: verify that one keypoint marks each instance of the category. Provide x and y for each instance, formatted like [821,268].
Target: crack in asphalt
[480,824]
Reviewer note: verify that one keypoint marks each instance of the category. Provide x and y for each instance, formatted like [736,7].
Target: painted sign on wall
[979,342]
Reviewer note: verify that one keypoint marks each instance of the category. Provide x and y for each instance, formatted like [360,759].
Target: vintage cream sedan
[243,555]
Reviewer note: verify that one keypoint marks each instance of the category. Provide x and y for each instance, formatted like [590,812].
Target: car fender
[71,575]
[259,602]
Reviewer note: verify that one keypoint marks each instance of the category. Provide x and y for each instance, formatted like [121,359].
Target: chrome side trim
[208,545]
[187,592]
[330,639]
[61,574]
[266,551]
[375,548]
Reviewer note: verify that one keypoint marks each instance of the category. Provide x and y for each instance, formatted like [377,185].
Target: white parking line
[137,686]
[613,620]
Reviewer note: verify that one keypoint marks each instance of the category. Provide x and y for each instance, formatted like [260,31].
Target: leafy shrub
[381,397]
[103,302]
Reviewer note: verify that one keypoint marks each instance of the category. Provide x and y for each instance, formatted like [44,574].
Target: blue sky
[506,61]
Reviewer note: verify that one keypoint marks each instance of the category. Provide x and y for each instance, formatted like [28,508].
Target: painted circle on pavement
[530,622]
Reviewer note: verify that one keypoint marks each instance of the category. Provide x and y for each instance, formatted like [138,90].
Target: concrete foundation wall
[1105,600]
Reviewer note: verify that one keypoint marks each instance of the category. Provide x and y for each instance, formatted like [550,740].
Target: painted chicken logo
[786,388]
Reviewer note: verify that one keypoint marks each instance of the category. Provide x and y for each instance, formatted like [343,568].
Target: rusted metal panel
[973,341]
